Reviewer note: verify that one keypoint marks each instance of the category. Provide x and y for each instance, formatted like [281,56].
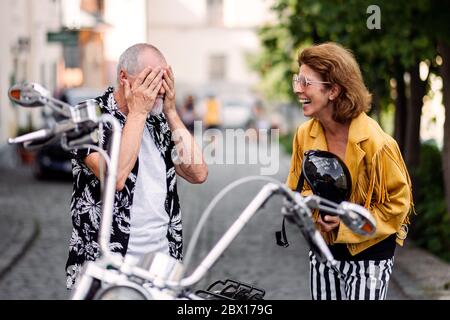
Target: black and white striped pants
[349,280]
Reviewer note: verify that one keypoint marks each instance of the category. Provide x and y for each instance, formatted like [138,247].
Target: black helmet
[327,175]
[329,178]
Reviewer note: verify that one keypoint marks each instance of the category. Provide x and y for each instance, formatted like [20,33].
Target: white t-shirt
[149,219]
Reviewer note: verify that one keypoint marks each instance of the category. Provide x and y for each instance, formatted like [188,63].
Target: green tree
[385,55]
[437,26]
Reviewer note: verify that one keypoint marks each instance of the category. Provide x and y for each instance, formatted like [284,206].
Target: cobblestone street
[39,274]
[252,258]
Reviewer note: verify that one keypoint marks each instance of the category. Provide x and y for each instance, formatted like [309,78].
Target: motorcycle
[158,276]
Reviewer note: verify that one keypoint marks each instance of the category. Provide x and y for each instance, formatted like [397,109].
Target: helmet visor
[327,175]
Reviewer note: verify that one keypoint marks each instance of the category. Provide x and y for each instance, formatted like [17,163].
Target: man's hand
[330,223]
[141,95]
[191,166]
[168,83]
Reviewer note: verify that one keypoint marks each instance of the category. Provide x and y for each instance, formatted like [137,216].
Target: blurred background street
[252,258]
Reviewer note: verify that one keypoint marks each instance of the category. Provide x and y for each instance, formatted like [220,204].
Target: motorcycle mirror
[357,218]
[28,94]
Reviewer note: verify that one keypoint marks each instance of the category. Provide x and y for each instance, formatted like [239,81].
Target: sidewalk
[420,274]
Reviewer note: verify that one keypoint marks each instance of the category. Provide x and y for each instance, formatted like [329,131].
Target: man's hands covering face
[141,95]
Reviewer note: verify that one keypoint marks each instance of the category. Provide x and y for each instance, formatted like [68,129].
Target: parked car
[237,113]
[52,161]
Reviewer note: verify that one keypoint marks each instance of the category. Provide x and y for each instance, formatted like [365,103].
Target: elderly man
[147,214]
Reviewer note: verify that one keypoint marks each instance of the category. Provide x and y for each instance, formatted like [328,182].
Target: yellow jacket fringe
[380,180]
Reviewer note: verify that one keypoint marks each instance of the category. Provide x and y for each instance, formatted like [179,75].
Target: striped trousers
[349,280]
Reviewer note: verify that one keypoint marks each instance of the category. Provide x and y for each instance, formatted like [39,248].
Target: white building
[208,41]
[26,55]
[128,20]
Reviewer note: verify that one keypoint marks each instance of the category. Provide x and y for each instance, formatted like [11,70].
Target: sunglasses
[303,81]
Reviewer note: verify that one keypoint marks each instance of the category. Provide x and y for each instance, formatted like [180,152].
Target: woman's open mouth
[304,101]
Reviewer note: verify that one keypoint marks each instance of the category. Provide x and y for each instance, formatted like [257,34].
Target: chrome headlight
[87,111]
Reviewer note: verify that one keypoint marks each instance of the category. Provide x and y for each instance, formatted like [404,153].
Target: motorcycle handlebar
[77,127]
[41,134]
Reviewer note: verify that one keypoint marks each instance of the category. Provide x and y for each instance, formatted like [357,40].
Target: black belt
[382,250]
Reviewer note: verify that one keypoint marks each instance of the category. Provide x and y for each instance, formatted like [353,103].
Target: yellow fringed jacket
[380,180]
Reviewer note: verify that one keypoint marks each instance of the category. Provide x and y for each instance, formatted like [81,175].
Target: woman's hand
[330,223]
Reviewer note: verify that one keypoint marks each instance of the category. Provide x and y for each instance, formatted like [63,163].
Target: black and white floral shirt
[86,197]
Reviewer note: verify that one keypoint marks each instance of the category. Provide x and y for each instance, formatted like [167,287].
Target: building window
[217,67]
[214,12]
[72,56]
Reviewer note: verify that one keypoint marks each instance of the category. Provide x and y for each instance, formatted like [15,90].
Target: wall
[25,55]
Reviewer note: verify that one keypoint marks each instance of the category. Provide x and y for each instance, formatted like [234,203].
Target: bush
[286,142]
[430,228]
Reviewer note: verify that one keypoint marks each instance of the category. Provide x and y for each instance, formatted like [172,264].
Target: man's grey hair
[129,59]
